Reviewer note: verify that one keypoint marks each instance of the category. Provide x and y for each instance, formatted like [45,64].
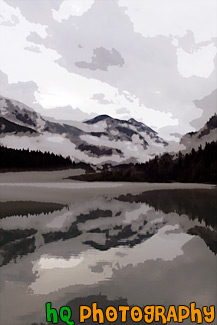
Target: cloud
[209,106]
[33,49]
[134,54]
[101,99]
[31,12]
[150,64]
[169,17]
[71,8]
[67,113]
[102,59]
[122,110]
[21,91]
[198,62]
[35,38]
[13,21]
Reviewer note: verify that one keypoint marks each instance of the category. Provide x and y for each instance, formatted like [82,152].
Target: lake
[154,247]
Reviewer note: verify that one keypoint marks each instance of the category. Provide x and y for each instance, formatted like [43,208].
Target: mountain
[100,140]
[206,134]
[8,127]
[208,106]
[195,167]
[131,130]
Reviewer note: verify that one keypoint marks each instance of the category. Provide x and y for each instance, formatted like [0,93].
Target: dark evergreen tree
[25,159]
[195,167]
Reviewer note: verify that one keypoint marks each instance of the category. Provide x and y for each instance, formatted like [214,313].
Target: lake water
[155,248]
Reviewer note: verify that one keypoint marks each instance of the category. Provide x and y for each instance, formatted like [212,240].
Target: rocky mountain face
[206,134]
[100,140]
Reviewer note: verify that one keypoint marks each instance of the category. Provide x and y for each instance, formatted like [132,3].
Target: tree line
[195,167]
[18,159]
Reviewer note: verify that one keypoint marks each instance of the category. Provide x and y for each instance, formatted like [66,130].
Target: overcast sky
[154,60]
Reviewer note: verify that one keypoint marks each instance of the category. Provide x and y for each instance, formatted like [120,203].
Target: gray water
[155,248]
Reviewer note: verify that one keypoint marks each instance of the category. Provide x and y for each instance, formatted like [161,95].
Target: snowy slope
[100,140]
[206,134]
[20,114]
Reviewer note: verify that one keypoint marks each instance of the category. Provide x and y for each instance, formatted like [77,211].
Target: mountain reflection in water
[127,249]
[197,205]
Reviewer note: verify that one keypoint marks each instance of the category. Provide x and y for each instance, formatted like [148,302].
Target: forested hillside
[25,159]
[198,167]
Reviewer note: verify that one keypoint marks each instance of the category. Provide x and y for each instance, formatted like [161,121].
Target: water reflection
[21,208]
[197,204]
[129,248]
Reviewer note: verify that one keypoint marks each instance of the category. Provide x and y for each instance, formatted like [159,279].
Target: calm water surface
[158,247]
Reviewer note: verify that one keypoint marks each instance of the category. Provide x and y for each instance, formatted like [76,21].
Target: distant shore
[53,186]
[39,176]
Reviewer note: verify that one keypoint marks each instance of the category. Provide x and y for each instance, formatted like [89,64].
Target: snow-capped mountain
[206,134]
[18,117]
[100,140]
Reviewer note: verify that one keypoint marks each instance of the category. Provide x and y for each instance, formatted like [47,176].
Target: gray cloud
[102,59]
[41,14]
[149,71]
[35,38]
[67,113]
[21,91]
[177,135]
[186,42]
[122,110]
[101,99]
[25,93]
[209,106]
[150,64]
[33,48]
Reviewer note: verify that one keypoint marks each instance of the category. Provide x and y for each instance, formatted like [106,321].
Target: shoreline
[53,187]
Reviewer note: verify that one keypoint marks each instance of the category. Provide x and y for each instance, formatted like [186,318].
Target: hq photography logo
[148,314]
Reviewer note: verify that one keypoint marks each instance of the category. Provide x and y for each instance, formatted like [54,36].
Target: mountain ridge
[206,134]
[99,140]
